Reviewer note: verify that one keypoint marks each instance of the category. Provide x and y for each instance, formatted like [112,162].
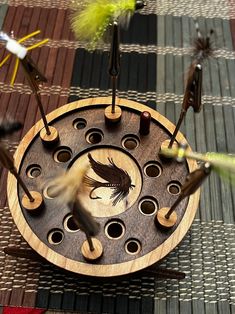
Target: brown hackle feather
[203,49]
[66,188]
[202,46]
[66,185]
[83,218]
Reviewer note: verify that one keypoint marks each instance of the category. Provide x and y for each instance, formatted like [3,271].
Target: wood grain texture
[35,205]
[113,262]
[161,219]
[92,255]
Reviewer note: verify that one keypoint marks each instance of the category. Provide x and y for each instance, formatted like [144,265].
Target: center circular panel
[112,182]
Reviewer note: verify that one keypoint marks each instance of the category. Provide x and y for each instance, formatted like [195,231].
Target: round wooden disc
[165,144]
[160,219]
[52,138]
[35,205]
[92,255]
[113,117]
[123,219]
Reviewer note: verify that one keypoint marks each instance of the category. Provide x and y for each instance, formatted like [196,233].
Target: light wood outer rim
[86,268]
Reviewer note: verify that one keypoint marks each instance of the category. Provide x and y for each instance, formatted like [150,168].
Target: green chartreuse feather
[92,17]
[222,164]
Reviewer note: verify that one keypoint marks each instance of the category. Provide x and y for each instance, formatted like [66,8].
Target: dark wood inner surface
[138,226]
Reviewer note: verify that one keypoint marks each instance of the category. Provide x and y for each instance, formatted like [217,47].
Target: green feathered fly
[91,18]
[222,164]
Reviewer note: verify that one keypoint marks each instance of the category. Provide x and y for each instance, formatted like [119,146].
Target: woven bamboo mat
[155,56]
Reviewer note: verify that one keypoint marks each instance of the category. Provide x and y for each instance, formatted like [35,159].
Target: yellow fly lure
[92,17]
[36,45]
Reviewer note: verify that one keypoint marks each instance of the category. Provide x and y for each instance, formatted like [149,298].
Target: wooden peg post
[92,248]
[165,144]
[34,206]
[145,120]
[48,139]
[113,113]
[94,253]
[162,220]
[33,75]
[32,200]
[167,217]
[48,134]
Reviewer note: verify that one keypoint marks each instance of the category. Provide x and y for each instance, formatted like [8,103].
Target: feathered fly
[117,179]
[203,45]
[8,127]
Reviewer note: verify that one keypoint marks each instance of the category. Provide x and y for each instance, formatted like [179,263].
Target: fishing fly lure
[8,127]
[20,51]
[222,164]
[202,50]
[202,46]
[92,17]
[66,187]
[117,179]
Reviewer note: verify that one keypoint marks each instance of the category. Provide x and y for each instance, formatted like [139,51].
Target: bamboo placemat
[156,52]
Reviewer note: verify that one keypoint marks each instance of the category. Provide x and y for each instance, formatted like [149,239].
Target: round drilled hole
[114,230]
[148,206]
[33,171]
[63,154]
[69,224]
[130,142]
[153,169]
[55,236]
[79,124]
[174,188]
[49,192]
[132,247]
[94,136]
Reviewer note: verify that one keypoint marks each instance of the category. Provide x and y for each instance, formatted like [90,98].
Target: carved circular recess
[115,229]
[153,169]
[148,206]
[94,136]
[62,154]
[79,124]
[33,171]
[125,185]
[174,188]
[97,194]
[130,141]
[49,193]
[69,224]
[132,247]
[55,237]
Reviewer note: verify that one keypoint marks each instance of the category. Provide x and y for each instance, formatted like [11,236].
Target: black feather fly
[83,218]
[117,179]
[8,127]
[202,50]
[203,46]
